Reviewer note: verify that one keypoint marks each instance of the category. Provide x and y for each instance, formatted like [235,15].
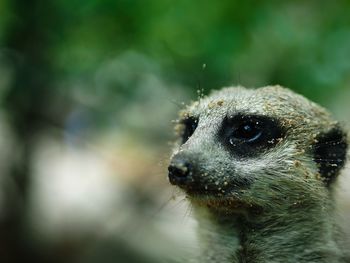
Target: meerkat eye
[190,125]
[248,135]
[248,131]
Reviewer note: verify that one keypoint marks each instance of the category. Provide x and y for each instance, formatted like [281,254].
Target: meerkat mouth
[232,204]
[222,190]
[224,197]
[229,199]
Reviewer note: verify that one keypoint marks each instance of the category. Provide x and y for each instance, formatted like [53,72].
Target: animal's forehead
[274,101]
[231,101]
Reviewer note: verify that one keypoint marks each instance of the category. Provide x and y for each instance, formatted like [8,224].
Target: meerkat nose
[179,172]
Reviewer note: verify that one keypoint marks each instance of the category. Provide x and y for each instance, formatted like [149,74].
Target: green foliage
[303,45]
[298,44]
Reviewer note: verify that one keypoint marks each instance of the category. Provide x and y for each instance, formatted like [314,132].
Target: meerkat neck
[289,236]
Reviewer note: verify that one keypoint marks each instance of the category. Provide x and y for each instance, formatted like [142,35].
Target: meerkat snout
[185,172]
[180,171]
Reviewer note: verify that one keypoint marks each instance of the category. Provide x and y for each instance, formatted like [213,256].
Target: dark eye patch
[249,135]
[190,124]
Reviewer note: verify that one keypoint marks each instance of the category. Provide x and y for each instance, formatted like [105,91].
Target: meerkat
[259,166]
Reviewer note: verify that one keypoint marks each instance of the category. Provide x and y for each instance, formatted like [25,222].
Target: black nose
[180,172]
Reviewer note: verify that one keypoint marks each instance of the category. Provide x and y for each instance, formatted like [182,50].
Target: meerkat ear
[330,152]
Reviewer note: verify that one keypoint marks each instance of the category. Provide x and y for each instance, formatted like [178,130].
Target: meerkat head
[240,148]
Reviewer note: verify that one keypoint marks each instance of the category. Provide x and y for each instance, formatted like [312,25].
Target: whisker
[164,204]
[187,213]
[179,105]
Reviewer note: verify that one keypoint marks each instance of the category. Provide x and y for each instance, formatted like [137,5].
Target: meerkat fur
[259,168]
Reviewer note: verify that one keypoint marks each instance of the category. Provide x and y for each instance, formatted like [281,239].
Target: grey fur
[287,213]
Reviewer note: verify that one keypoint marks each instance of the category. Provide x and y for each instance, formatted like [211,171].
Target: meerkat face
[241,148]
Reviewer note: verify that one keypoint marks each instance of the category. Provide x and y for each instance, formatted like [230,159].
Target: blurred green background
[88,90]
